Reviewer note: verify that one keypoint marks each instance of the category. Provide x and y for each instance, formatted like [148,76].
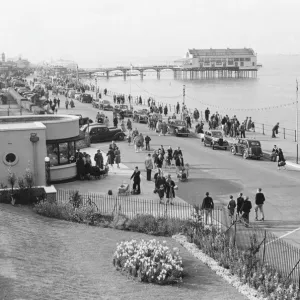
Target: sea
[267,99]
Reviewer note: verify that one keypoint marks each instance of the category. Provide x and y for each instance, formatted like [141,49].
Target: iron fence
[131,206]
[273,251]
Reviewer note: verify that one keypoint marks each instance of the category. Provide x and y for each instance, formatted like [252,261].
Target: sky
[110,32]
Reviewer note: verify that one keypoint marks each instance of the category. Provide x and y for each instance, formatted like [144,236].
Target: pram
[124,189]
[183,173]
[95,172]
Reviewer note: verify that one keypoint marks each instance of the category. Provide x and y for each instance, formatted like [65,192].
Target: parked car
[127,112]
[178,127]
[215,139]
[96,103]
[248,148]
[86,98]
[101,133]
[106,105]
[140,116]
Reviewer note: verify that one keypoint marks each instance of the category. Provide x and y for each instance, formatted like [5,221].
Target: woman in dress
[117,156]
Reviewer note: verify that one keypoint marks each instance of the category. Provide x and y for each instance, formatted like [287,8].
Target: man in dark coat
[207,207]
[136,180]
[147,141]
[239,203]
[115,121]
[259,203]
[207,112]
[246,208]
[176,153]
[275,130]
[177,108]
[98,158]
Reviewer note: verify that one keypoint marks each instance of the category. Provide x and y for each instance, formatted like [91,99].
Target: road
[222,174]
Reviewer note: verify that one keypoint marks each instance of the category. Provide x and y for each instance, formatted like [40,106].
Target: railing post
[264,252]
[263,128]
[284,133]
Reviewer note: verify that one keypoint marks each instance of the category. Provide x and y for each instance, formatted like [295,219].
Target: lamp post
[96,88]
[297,133]
[47,170]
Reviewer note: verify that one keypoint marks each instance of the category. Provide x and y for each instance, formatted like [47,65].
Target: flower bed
[263,285]
[149,261]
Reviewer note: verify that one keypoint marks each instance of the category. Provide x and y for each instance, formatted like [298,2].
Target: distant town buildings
[244,58]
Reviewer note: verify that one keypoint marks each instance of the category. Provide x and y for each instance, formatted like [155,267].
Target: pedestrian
[179,163]
[177,152]
[136,181]
[115,121]
[158,127]
[106,121]
[207,113]
[170,189]
[123,126]
[129,139]
[207,207]
[159,161]
[243,130]
[147,141]
[149,166]
[239,203]
[67,103]
[117,155]
[188,121]
[231,208]
[110,156]
[177,108]
[165,110]
[246,208]
[275,130]
[259,203]
[98,158]
[169,156]
[281,160]
[129,125]
[274,153]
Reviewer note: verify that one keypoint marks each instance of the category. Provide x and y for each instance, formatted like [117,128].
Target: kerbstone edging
[244,289]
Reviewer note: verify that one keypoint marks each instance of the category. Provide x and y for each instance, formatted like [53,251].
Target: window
[253,64]
[10,159]
[247,59]
[61,154]
[236,59]
[93,131]
[242,63]
[230,62]
[242,59]
[52,151]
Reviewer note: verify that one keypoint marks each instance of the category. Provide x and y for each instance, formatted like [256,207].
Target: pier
[180,72]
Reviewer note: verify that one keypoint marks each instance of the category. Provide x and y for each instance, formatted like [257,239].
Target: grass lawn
[42,258]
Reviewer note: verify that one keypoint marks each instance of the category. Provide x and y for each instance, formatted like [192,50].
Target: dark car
[247,148]
[86,98]
[178,127]
[127,112]
[140,116]
[96,103]
[215,139]
[101,133]
[106,105]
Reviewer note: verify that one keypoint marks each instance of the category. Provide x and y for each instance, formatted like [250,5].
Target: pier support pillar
[107,74]
[158,74]
[142,74]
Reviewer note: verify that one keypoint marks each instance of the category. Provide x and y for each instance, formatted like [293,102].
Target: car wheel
[233,151]
[245,155]
[121,137]
[225,148]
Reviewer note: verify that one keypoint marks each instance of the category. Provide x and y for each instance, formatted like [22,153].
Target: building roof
[221,52]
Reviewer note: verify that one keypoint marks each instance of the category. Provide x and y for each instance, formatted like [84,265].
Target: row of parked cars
[248,148]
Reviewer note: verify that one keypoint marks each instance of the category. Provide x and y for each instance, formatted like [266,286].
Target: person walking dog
[259,203]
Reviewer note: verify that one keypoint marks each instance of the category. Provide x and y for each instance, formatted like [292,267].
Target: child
[129,140]
[231,208]
[161,193]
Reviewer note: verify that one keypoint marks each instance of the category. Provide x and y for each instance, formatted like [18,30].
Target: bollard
[263,128]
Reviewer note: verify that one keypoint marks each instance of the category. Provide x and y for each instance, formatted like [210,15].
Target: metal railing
[273,251]
[131,206]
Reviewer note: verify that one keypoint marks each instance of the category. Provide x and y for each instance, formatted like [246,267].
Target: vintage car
[101,133]
[178,127]
[127,112]
[215,139]
[155,116]
[105,105]
[86,98]
[248,148]
[140,116]
[83,120]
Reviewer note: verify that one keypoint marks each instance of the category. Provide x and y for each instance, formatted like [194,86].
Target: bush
[149,261]
[157,226]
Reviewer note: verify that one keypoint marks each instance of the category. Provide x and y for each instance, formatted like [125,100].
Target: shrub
[150,261]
